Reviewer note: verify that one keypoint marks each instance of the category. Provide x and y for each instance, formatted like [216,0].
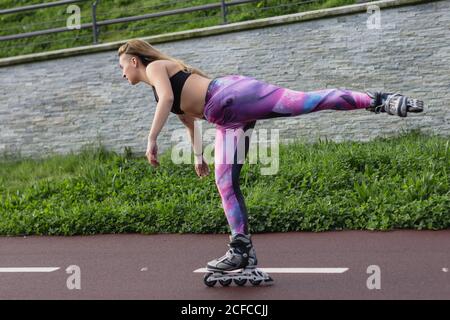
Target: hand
[152,153]
[202,169]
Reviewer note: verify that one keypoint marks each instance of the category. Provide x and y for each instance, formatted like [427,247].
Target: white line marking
[32,269]
[292,270]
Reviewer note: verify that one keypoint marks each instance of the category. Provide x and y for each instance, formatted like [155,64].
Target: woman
[233,102]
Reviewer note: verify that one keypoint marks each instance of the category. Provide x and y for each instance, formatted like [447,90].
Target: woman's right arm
[189,122]
[201,167]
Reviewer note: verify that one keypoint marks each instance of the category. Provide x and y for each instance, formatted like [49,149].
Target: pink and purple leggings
[234,103]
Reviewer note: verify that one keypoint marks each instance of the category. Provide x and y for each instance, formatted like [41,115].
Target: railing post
[224,12]
[94,22]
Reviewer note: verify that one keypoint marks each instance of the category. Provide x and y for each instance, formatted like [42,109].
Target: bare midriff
[192,100]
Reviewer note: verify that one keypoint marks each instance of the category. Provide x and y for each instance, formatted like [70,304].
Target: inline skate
[393,103]
[238,265]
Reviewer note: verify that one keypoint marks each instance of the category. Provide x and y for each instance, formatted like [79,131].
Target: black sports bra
[177,81]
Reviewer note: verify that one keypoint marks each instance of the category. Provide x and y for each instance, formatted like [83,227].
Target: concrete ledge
[209,31]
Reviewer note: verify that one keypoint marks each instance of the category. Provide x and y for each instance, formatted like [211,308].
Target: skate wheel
[209,283]
[255,282]
[240,282]
[225,283]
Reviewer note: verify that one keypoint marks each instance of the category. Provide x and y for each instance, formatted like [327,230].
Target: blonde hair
[147,54]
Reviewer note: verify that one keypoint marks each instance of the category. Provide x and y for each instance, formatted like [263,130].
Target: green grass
[388,183]
[56,17]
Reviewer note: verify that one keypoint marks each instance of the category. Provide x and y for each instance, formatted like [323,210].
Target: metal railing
[95,24]
[39,6]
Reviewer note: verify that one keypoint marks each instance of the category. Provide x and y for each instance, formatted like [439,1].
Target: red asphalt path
[413,265]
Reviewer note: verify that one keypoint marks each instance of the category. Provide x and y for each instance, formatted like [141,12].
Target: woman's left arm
[162,112]
[160,78]
[158,72]
[159,120]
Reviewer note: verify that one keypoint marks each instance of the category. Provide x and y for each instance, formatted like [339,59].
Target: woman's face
[129,66]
